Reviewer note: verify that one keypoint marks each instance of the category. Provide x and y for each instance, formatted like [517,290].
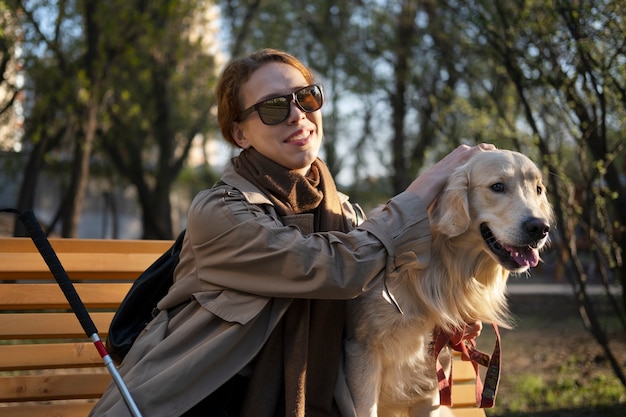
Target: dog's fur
[492,218]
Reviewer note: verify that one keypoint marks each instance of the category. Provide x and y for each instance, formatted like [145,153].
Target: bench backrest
[44,354]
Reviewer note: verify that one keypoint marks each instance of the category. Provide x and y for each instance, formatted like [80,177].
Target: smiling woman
[253,325]
[294,144]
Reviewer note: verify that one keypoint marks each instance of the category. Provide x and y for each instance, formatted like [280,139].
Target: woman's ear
[450,212]
[239,136]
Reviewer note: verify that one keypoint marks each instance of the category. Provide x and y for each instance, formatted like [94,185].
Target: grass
[553,367]
[531,393]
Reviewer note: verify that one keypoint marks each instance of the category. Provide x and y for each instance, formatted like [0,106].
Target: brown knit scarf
[296,370]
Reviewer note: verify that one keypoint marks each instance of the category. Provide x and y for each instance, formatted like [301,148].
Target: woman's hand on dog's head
[430,183]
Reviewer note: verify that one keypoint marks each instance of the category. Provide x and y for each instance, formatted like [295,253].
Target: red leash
[485,395]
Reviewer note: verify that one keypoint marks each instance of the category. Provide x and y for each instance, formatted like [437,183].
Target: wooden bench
[48,367]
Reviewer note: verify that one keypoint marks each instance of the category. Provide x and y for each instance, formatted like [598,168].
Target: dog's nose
[536,228]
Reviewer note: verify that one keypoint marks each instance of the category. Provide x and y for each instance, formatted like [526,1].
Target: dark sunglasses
[276,110]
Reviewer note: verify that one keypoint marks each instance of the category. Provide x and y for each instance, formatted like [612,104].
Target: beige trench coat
[241,265]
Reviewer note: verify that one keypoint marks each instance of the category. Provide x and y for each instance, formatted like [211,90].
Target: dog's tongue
[526,256]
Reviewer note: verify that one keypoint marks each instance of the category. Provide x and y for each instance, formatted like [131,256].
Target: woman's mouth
[300,138]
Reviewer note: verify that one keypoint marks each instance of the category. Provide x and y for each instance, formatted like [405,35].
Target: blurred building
[11,85]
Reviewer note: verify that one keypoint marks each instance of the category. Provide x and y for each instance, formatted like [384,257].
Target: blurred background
[108,129]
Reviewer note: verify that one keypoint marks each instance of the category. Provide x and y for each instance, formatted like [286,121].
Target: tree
[47,109]
[160,99]
[106,76]
[565,63]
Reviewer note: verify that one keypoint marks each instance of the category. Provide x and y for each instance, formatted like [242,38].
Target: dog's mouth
[510,257]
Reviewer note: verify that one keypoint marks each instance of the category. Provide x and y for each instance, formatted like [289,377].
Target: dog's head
[498,202]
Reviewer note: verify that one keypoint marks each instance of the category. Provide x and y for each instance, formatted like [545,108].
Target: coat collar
[251,193]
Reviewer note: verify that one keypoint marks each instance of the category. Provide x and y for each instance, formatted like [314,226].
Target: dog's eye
[539,190]
[498,187]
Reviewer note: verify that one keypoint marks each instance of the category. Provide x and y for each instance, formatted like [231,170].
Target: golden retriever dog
[491,219]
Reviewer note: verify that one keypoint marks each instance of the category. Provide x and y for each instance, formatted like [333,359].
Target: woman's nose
[295,112]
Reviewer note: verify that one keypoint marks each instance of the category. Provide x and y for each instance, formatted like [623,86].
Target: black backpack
[139,305]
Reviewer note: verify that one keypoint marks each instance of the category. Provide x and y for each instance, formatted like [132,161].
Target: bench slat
[463,371]
[53,387]
[81,258]
[61,245]
[79,408]
[48,355]
[50,296]
[49,325]
[20,266]
[463,395]
[469,412]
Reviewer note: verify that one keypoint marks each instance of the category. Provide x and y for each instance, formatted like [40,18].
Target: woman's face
[294,143]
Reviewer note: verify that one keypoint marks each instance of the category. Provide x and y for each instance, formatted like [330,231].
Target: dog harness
[485,394]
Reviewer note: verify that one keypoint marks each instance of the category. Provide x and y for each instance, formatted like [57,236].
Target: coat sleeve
[234,244]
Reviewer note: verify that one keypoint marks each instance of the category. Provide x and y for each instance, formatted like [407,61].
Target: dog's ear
[450,212]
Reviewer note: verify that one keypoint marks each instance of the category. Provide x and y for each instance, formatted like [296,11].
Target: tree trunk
[405,34]
[26,196]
